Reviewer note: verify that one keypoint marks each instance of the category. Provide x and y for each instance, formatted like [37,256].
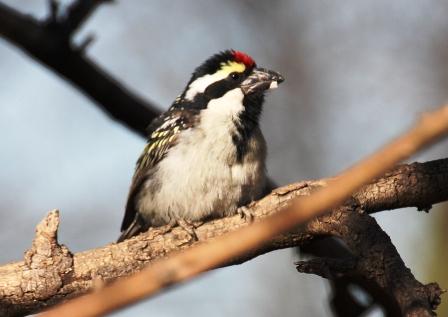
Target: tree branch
[50,44]
[375,263]
[432,178]
[78,12]
[183,266]
[19,282]
[376,197]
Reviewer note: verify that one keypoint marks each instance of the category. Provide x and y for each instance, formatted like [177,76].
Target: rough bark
[374,264]
[428,182]
[374,197]
[27,287]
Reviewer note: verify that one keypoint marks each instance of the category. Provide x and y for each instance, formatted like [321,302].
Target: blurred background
[357,74]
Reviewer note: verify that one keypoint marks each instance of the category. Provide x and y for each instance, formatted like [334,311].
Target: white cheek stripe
[200,84]
[229,105]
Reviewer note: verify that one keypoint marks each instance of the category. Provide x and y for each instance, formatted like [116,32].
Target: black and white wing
[163,133]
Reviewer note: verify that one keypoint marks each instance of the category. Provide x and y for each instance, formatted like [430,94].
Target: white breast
[200,176]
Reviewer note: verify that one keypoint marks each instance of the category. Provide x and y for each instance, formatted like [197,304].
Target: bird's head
[226,78]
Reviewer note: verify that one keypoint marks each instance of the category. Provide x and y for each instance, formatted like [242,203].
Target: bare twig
[53,6]
[186,265]
[49,44]
[77,13]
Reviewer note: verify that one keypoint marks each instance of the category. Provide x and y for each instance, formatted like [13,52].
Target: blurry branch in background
[75,15]
[375,258]
[50,42]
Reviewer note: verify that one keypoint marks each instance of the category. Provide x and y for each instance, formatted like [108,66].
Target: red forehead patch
[241,57]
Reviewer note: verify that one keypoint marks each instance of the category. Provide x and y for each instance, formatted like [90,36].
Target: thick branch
[427,180]
[375,263]
[183,266]
[48,44]
[122,259]
[375,197]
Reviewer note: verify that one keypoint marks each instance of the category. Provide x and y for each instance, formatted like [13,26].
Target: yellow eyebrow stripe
[231,67]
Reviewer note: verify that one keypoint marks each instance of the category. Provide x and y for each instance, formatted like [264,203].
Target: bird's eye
[235,76]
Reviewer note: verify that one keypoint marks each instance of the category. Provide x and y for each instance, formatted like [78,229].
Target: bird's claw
[245,213]
[169,227]
[190,228]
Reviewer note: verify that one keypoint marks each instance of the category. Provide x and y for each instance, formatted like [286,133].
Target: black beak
[261,80]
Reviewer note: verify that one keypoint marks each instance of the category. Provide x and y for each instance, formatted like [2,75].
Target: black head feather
[213,64]
[216,90]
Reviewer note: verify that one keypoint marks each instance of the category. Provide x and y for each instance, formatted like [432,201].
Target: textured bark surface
[409,185]
[50,273]
[375,263]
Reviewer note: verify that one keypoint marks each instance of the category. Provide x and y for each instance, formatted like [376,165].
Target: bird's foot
[245,214]
[169,227]
[190,227]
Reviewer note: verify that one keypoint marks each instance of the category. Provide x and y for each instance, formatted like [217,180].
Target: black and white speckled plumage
[205,156]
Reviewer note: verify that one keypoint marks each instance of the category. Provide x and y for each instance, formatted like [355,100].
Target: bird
[205,156]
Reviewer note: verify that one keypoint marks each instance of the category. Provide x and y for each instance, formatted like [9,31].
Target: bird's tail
[133,229]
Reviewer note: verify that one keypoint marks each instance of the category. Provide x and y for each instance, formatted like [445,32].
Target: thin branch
[48,44]
[185,265]
[53,6]
[78,12]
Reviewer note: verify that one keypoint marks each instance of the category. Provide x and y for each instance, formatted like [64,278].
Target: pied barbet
[205,156]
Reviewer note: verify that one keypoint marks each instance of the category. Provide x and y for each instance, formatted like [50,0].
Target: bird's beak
[261,80]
